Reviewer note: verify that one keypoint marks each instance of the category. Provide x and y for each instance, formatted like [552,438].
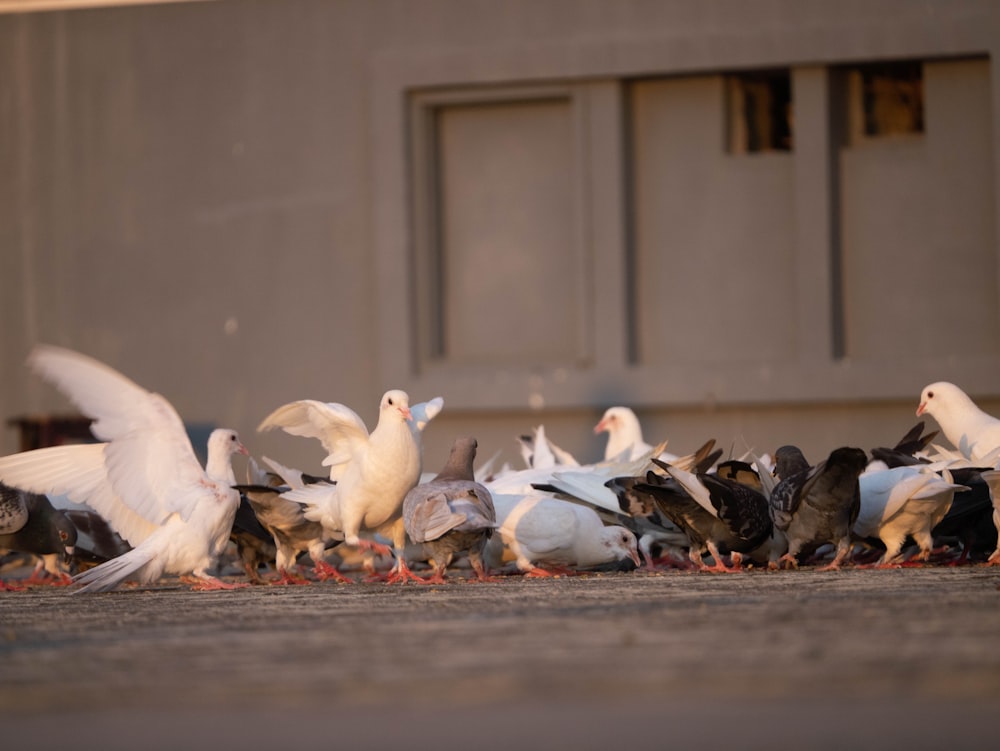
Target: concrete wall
[224,200]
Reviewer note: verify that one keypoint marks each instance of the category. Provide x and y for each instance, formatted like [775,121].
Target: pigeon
[624,435]
[373,472]
[819,504]
[544,535]
[655,532]
[144,478]
[901,502]
[718,515]
[285,521]
[46,533]
[973,432]
[452,513]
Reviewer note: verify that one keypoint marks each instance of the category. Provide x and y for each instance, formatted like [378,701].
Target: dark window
[890,97]
[760,111]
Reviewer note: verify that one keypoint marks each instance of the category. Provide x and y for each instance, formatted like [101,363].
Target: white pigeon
[903,502]
[625,436]
[541,533]
[144,479]
[373,472]
[973,432]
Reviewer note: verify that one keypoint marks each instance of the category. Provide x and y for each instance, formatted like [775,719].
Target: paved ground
[798,659]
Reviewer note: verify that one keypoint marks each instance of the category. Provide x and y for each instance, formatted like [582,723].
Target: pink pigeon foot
[375,547]
[539,573]
[287,577]
[47,580]
[402,574]
[436,578]
[325,572]
[210,583]
[482,574]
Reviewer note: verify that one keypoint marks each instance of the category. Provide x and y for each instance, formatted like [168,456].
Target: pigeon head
[940,397]
[226,442]
[65,530]
[395,401]
[621,543]
[616,419]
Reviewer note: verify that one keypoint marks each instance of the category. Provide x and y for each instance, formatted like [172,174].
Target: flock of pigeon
[138,505]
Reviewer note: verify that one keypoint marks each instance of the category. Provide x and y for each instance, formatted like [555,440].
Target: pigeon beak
[921,408]
[241,449]
[405,412]
[634,555]
[70,549]
[600,427]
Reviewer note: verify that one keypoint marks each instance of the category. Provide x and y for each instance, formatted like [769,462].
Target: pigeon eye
[63,536]
[390,401]
[930,394]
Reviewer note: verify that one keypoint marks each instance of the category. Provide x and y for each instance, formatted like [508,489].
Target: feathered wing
[424,412]
[78,472]
[589,487]
[150,463]
[338,428]
[431,517]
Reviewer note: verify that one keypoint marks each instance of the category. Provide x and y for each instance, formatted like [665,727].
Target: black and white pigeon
[719,515]
[144,477]
[452,513]
[641,514]
[286,522]
[817,505]
[45,533]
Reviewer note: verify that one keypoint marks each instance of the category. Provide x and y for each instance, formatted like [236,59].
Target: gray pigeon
[46,533]
[818,505]
[788,461]
[452,513]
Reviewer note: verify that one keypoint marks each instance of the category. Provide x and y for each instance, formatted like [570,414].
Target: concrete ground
[793,659]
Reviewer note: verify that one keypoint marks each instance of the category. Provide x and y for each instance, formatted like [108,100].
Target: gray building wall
[528,208]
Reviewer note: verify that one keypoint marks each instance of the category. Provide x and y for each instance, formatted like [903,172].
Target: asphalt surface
[793,659]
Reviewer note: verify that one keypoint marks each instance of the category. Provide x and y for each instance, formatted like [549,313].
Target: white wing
[150,463]
[338,427]
[424,412]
